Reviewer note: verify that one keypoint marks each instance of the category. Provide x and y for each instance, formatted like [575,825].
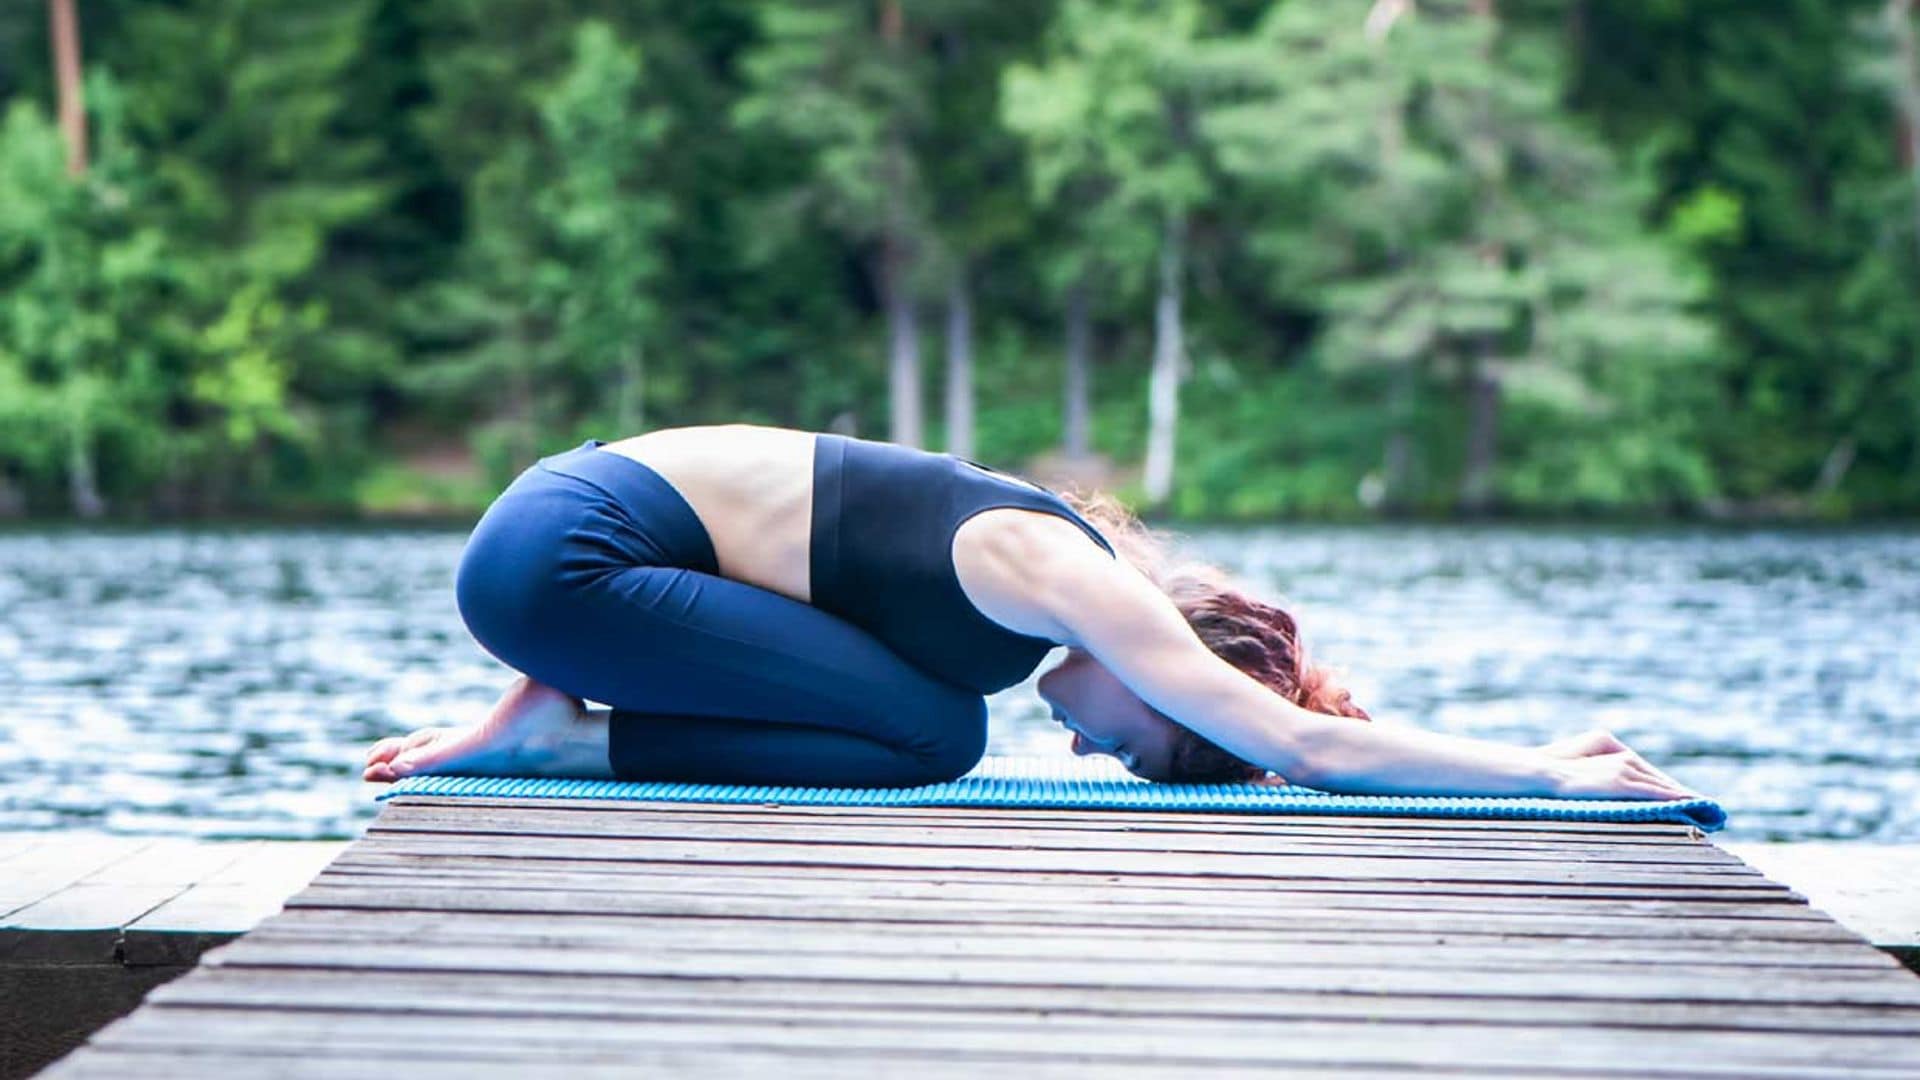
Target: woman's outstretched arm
[1108,608]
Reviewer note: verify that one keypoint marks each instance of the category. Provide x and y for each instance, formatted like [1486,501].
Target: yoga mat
[1089,782]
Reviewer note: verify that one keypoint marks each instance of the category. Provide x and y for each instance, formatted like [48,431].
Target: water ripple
[225,681]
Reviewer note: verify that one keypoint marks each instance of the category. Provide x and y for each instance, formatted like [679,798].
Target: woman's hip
[566,521]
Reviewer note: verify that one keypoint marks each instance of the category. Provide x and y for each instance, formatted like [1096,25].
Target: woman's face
[1106,717]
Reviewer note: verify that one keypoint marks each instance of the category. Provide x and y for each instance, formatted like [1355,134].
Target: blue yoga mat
[1090,783]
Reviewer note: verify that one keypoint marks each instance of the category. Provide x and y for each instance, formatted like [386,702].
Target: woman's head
[1258,638]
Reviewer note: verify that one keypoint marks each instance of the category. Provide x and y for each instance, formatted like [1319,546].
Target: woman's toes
[424,736]
[385,749]
[446,748]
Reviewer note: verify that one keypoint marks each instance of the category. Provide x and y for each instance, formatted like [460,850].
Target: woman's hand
[1597,765]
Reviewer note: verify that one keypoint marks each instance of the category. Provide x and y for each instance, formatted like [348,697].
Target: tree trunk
[1163,388]
[1834,468]
[896,266]
[82,487]
[1899,18]
[903,349]
[629,410]
[13,502]
[960,363]
[1390,129]
[1482,382]
[1079,381]
[520,391]
[65,33]
[1399,463]
[1483,436]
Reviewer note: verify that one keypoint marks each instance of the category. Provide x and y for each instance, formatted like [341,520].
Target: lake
[224,682]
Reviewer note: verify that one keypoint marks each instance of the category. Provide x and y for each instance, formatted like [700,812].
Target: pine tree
[1427,191]
[844,88]
[551,307]
[1110,115]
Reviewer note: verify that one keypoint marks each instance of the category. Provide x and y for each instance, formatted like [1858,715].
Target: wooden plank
[527,897]
[571,936]
[235,895]
[1544,871]
[45,869]
[174,861]
[87,906]
[213,909]
[1482,952]
[724,1063]
[112,881]
[1723,984]
[482,872]
[1001,817]
[1479,844]
[405,992]
[1376,1043]
[1872,889]
[285,864]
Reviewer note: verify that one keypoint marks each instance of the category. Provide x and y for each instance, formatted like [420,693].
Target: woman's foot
[534,730]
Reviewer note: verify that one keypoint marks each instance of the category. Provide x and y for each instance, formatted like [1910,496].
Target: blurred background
[1557,362]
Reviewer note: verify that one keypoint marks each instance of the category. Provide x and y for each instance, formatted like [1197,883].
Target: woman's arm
[1108,608]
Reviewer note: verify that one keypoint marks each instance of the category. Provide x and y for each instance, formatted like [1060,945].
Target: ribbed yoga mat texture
[1025,780]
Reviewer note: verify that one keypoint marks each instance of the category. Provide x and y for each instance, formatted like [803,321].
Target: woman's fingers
[1664,780]
[1599,744]
[1605,742]
[1673,788]
[1591,743]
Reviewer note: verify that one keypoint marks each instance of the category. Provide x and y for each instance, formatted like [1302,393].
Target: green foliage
[1679,243]
[1445,214]
[551,305]
[87,335]
[1107,119]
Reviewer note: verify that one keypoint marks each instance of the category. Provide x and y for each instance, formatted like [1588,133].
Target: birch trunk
[903,349]
[630,410]
[1078,406]
[82,488]
[1163,390]
[896,266]
[960,363]
[1906,94]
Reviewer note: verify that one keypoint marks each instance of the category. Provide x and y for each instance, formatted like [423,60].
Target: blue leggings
[592,575]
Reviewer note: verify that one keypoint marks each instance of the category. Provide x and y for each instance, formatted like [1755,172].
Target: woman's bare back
[752,487]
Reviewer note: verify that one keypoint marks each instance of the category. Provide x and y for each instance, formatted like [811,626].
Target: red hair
[1262,641]
[1256,637]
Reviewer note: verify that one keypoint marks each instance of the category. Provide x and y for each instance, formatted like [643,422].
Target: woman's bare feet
[533,730]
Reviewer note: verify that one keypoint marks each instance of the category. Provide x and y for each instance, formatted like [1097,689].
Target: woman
[762,605]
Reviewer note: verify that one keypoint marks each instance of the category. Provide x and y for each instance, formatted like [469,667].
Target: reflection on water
[225,681]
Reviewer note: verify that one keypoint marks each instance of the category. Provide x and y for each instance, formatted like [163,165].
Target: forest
[1245,260]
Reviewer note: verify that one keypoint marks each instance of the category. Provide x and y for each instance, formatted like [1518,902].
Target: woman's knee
[956,723]
[497,586]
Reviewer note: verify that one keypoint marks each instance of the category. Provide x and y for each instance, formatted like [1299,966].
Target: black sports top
[884,516]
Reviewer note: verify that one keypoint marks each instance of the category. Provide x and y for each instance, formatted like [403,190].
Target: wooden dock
[90,922]
[478,938]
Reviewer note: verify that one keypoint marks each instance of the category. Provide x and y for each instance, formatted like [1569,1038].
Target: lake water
[225,682]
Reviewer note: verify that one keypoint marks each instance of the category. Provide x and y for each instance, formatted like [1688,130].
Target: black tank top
[884,516]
